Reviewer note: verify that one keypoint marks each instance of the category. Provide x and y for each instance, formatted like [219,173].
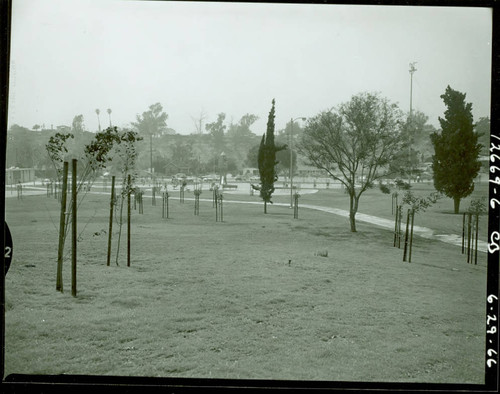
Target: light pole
[97,111]
[291,158]
[410,122]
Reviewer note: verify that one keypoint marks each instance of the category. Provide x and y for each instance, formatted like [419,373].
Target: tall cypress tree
[455,163]
[267,160]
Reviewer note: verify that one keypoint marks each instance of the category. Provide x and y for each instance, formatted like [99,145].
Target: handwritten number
[488,318]
[490,361]
[490,352]
[497,180]
[492,330]
[493,168]
[492,245]
[493,201]
[8,251]
[493,147]
[492,157]
[491,297]
[495,136]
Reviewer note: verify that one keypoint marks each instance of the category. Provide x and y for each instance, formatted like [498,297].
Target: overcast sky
[69,57]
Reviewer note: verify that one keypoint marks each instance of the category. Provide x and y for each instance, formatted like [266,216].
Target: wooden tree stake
[73,229]
[396,227]
[477,231]
[62,218]
[463,233]
[128,219]
[411,234]
[469,236]
[406,235]
[111,206]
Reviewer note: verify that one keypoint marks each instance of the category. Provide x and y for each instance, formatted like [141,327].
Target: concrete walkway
[423,232]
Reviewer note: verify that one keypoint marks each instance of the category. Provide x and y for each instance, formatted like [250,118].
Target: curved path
[424,232]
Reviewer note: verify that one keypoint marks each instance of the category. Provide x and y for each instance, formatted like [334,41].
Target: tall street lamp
[410,122]
[291,158]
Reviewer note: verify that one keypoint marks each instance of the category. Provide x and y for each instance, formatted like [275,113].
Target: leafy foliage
[402,185]
[77,125]
[477,206]
[482,128]
[153,122]
[384,188]
[416,148]
[267,159]
[354,143]
[57,149]
[216,130]
[455,162]
[98,151]
[126,152]
[419,204]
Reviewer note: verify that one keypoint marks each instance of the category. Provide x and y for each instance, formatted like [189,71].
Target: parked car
[210,178]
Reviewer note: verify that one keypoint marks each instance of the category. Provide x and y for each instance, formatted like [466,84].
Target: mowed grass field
[248,298]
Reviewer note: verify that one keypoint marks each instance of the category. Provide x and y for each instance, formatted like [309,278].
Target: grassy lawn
[247,298]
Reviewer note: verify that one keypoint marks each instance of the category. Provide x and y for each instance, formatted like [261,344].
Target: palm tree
[109,113]
[98,121]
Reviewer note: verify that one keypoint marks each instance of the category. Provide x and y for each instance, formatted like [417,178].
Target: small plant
[417,204]
[57,150]
[384,188]
[477,206]
[321,253]
[402,185]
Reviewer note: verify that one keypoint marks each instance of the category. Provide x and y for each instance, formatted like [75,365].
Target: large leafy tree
[456,149]
[216,131]
[240,139]
[152,123]
[22,149]
[267,160]
[77,125]
[418,148]
[354,143]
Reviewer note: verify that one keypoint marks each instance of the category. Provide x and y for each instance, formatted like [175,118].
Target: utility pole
[291,157]
[410,120]
[97,111]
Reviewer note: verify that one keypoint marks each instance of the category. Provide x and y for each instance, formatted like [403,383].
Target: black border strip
[491,340]
[5,29]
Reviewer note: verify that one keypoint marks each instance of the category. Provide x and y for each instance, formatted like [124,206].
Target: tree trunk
[456,204]
[353,208]
[265,206]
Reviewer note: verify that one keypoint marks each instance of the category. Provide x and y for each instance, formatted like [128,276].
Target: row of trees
[368,139]
[357,143]
[110,149]
[161,149]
